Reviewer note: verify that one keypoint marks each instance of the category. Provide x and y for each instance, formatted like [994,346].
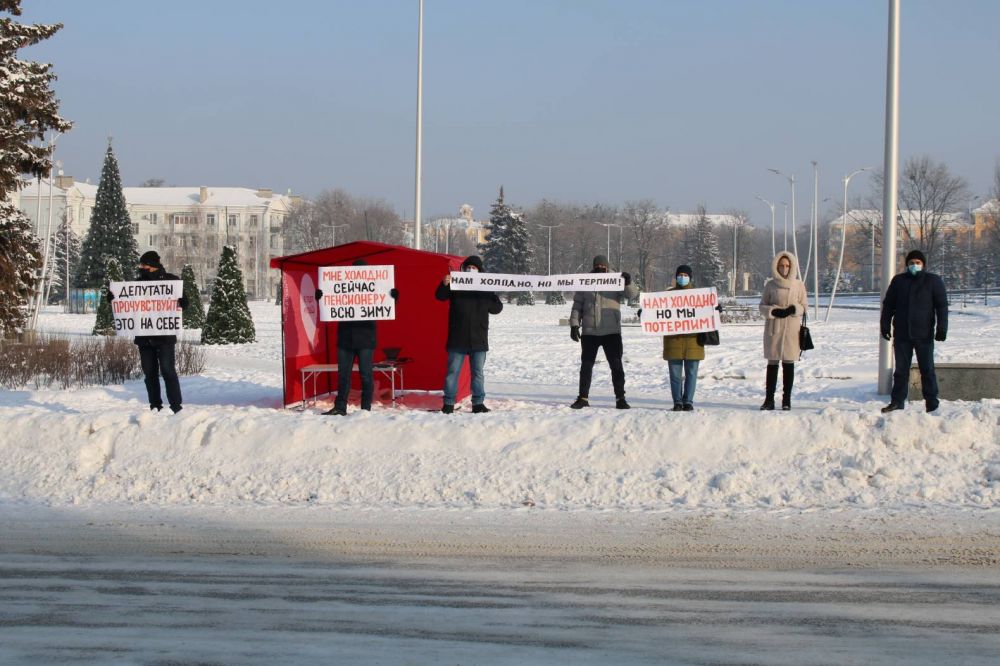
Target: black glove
[628,278]
[719,308]
[319,294]
[639,313]
[182,302]
[886,335]
[779,313]
[574,333]
[111,296]
[940,336]
[394,293]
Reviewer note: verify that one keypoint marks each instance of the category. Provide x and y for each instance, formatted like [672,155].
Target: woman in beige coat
[782,304]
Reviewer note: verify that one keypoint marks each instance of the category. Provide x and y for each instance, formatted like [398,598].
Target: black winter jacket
[469,317]
[913,305]
[156,340]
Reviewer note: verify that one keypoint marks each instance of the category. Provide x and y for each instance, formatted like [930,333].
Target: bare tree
[647,225]
[928,192]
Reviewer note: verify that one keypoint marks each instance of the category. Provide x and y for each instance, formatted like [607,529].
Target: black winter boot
[770,383]
[787,379]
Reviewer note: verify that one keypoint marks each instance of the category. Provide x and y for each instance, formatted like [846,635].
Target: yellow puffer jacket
[683,347]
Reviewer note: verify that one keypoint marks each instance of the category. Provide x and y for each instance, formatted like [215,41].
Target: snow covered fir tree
[110,233]
[28,110]
[508,247]
[194,313]
[20,257]
[702,245]
[228,320]
[105,323]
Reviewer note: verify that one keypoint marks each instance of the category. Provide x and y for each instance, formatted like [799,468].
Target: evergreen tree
[554,298]
[228,320]
[105,323]
[28,106]
[110,233]
[194,313]
[508,246]
[20,257]
[64,242]
[703,249]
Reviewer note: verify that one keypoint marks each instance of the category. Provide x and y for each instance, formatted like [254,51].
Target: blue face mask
[683,280]
[914,268]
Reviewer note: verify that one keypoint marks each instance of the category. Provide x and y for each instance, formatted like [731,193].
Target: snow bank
[232,445]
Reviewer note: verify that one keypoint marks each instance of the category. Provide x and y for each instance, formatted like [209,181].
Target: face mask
[683,280]
[470,269]
[914,268]
[600,269]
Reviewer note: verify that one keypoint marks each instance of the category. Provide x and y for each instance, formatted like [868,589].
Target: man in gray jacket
[599,314]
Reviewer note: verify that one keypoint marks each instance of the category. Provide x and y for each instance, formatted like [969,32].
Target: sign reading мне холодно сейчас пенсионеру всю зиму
[472,281]
[147,307]
[357,293]
[679,311]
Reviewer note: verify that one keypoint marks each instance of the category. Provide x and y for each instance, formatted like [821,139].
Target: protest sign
[472,281]
[679,311]
[147,307]
[357,293]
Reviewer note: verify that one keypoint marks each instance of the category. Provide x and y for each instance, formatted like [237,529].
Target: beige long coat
[781,336]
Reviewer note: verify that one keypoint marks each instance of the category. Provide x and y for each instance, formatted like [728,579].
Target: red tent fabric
[420,328]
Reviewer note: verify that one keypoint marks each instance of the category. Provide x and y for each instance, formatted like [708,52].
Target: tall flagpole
[890,185]
[420,123]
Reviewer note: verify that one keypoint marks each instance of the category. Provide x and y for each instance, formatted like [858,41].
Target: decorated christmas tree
[508,246]
[105,324]
[194,313]
[228,320]
[110,233]
[65,243]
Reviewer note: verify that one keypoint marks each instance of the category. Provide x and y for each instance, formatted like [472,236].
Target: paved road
[198,609]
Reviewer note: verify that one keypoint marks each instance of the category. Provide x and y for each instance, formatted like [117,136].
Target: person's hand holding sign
[447,279]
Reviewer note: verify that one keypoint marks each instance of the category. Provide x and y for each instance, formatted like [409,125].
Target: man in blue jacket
[916,308]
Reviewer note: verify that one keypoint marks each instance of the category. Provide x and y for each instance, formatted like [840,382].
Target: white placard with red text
[146,307]
[357,293]
[679,312]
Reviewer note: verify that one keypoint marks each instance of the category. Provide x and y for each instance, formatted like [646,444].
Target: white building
[185,225]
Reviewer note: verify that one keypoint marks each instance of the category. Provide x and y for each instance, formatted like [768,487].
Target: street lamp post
[549,229]
[843,240]
[609,225]
[795,244]
[333,228]
[815,235]
[770,205]
[785,236]
[890,185]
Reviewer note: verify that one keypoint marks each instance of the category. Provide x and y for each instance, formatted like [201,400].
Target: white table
[388,369]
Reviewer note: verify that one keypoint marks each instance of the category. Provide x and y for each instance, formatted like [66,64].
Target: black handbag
[805,337]
[708,338]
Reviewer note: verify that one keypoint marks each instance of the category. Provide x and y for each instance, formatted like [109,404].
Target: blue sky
[680,101]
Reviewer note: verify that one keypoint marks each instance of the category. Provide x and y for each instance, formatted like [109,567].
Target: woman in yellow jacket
[683,353]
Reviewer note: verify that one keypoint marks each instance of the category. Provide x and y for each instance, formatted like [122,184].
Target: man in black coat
[916,307]
[156,352]
[355,339]
[468,335]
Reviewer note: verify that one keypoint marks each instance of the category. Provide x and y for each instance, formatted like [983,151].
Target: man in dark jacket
[468,335]
[156,352]
[355,339]
[916,307]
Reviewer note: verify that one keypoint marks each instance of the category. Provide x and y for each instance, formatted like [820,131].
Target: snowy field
[234,445]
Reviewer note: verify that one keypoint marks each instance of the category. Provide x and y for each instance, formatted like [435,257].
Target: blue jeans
[683,395]
[477,359]
[903,349]
[345,359]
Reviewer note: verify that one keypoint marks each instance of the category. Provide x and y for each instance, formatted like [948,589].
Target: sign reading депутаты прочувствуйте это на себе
[679,311]
[357,293]
[461,281]
[147,307]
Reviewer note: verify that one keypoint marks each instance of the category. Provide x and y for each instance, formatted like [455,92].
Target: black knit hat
[683,268]
[473,260]
[150,258]
[601,260]
[916,254]
[360,262]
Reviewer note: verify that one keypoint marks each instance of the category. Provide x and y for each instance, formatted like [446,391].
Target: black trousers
[903,349]
[613,349]
[157,361]
[345,359]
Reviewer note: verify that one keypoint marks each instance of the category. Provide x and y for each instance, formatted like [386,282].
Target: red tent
[420,327]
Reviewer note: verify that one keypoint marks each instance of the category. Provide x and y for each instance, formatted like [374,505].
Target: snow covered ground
[234,445]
